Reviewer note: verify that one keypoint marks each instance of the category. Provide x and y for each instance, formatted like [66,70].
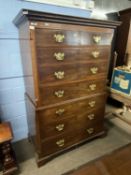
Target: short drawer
[71,72]
[54,37]
[69,139]
[55,94]
[58,55]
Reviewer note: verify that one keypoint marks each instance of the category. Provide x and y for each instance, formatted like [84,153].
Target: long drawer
[55,94]
[75,122]
[75,114]
[58,55]
[68,139]
[71,72]
[56,37]
[64,110]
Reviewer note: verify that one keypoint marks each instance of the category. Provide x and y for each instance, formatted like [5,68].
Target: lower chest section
[70,123]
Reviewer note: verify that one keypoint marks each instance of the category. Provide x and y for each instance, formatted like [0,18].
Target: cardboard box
[121,81]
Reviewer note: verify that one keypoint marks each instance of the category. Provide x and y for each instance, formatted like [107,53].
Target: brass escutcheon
[59,75]
[91,116]
[95,54]
[94,70]
[60,143]
[92,104]
[59,93]
[90,130]
[59,56]
[60,111]
[59,38]
[97,39]
[60,127]
[92,87]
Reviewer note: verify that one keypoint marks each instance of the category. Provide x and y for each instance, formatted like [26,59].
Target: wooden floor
[116,163]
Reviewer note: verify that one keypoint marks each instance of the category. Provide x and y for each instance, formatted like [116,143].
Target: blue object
[121,81]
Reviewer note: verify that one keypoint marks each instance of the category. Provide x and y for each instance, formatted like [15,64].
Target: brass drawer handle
[59,75]
[92,87]
[97,39]
[60,143]
[60,127]
[90,130]
[91,116]
[92,104]
[59,38]
[60,111]
[59,93]
[94,70]
[59,56]
[95,54]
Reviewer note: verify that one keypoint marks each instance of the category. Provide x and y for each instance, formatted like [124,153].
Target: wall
[103,7]
[112,5]
[12,103]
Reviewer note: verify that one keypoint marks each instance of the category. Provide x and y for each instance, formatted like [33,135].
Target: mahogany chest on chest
[65,63]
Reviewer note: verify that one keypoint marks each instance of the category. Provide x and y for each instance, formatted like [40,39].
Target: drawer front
[53,37]
[75,122]
[68,139]
[71,72]
[59,93]
[69,55]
